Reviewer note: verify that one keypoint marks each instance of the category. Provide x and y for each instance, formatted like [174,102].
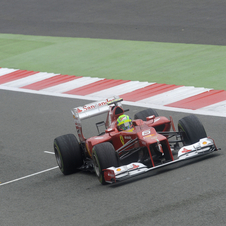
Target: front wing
[203,147]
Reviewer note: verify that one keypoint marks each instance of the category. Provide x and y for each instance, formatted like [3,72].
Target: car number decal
[146,132]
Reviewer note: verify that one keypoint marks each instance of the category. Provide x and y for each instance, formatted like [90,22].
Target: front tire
[191,129]
[104,156]
[68,153]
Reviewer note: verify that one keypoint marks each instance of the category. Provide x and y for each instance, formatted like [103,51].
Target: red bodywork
[143,135]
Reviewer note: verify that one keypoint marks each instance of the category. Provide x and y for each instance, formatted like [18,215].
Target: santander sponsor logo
[93,105]
[90,107]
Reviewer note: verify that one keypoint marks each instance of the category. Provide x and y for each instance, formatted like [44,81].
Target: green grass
[180,64]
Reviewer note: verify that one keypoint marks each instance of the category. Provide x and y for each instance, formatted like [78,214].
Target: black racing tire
[104,156]
[145,113]
[68,153]
[191,129]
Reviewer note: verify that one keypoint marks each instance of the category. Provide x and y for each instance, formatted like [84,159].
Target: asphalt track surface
[190,195]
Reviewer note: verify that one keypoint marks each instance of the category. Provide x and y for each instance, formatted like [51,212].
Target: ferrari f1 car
[116,155]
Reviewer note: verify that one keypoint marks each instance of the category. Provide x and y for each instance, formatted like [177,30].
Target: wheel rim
[183,136]
[58,157]
[96,166]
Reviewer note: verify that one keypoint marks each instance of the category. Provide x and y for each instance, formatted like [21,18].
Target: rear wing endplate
[91,110]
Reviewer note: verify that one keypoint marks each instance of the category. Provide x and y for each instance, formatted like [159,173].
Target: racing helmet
[124,122]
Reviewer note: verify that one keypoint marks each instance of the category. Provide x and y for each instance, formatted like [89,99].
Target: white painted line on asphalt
[49,152]
[31,175]
[137,104]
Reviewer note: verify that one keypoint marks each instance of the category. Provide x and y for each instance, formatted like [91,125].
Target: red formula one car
[116,155]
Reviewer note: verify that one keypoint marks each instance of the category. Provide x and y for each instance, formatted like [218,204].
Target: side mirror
[152,117]
[109,130]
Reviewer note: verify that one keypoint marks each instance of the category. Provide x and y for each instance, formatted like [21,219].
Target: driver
[124,122]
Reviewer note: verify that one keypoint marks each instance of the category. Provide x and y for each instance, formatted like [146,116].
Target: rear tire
[191,129]
[145,113]
[68,153]
[104,156]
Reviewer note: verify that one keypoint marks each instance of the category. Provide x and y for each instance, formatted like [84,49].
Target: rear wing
[91,110]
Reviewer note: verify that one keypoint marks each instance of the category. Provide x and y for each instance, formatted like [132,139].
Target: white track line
[201,111]
[31,175]
[48,152]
